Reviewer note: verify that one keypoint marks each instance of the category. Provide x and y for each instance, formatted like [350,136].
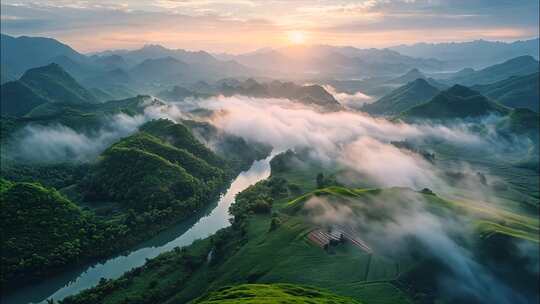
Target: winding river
[202,225]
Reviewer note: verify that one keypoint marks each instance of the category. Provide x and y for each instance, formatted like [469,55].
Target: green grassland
[271,294]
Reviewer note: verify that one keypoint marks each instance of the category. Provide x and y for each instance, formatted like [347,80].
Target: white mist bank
[59,143]
[352,101]
[354,140]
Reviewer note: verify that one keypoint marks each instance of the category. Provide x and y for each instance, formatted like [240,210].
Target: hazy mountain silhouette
[456,102]
[515,92]
[477,54]
[403,98]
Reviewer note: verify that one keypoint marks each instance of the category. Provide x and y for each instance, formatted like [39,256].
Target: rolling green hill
[41,231]
[40,87]
[270,294]
[162,166]
[515,92]
[403,98]
[55,84]
[456,102]
[180,136]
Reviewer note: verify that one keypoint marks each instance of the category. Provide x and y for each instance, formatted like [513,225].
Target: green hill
[161,166]
[55,84]
[456,102]
[515,92]
[180,136]
[41,230]
[42,86]
[403,98]
[270,294]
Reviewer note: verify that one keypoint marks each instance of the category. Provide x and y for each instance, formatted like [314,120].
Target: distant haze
[240,26]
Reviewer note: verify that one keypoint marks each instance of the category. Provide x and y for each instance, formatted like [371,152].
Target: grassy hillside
[271,293]
[403,98]
[269,242]
[514,92]
[456,102]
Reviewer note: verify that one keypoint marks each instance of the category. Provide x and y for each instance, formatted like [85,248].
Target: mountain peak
[411,75]
[419,82]
[461,91]
[52,68]
[414,72]
[153,47]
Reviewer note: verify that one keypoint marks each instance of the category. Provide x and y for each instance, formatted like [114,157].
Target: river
[202,225]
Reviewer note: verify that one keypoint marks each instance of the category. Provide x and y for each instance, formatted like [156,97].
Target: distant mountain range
[475,54]
[331,61]
[519,66]
[143,67]
[307,94]
[22,53]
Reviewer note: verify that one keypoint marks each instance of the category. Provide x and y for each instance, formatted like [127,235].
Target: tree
[274,224]
[320,180]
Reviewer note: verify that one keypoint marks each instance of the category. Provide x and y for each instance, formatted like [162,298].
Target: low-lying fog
[350,140]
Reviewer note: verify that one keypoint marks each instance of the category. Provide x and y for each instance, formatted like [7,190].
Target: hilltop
[403,98]
[40,87]
[272,293]
[456,102]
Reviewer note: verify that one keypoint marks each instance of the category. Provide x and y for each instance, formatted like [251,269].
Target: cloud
[387,165]
[402,228]
[59,143]
[364,146]
[286,124]
[352,101]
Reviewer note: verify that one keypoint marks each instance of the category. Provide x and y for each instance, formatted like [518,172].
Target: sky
[238,26]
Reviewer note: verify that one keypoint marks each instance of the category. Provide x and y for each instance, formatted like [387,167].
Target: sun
[296,37]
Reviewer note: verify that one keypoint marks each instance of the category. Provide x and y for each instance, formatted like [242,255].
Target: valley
[186,165]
